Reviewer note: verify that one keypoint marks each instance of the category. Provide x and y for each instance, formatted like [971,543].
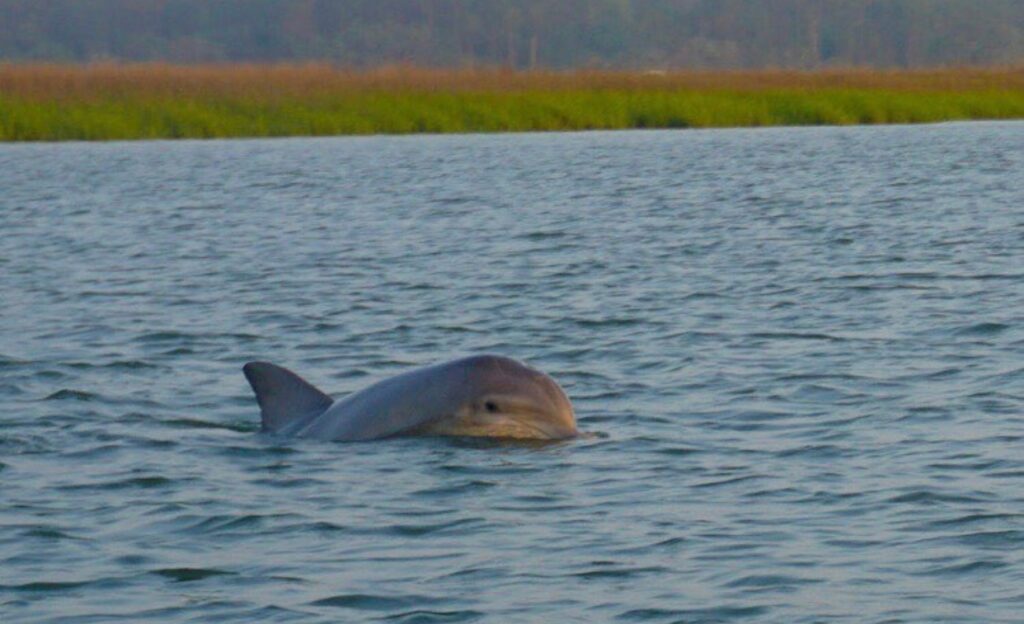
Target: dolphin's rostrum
[483,395]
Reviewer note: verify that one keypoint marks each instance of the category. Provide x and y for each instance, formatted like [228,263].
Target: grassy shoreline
[104,102]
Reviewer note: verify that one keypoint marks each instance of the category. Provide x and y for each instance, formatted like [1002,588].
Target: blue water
[799,354]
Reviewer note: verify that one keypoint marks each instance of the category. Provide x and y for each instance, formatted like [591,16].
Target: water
[799,352]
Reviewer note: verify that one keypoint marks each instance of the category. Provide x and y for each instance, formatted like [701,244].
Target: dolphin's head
[506,398]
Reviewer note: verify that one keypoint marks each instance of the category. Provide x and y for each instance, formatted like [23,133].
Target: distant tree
[521,33]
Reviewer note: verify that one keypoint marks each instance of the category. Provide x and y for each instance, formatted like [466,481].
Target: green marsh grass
[102,102]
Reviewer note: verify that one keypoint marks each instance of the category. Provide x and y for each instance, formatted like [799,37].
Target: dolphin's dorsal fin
[284,397]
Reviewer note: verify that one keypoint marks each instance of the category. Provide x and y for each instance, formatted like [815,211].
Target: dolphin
[482,395]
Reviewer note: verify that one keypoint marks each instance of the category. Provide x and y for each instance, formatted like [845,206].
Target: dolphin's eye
[491,406]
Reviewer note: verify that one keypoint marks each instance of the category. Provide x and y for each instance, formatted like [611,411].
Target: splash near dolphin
[484,396]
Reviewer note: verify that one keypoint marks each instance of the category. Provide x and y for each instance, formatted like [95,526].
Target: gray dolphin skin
[483,396]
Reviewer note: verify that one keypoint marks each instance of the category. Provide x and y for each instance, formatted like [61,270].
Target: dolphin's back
[286,400]
[390,407]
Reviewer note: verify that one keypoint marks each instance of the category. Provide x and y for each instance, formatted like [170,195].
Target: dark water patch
[421,616]
[678,451]
[195,423]
[1011,376]
[983,277]
[717,483]
[133,560]
[168,509]
[417,530]
[822,376]
[606,322]
[467,487]
[817,451]
[581,376]
[95,452]
[234,337]
[697,296]
[164,337]
[67,394]
[932,497]
[132,365]
[535,507]
[455,200]
[276,467]
[969,466]
[773,492]
[257,452]
[757,416]
[927,414]
[374,602]
[142,483]
[619,573]
[668,544]
[982,329]
[1006,474]
[459,329]
[49,375]
[886,287]
[543,235]
[26,444]
[48,533]
[826,499]
[225,523]
[763,581]
[10,390]
[695,616]
[483,573]
[825,394]
[296,483]
[788,336]
[984,567]
[942,373]
[916,275]
[188,575]
[57,587]
[214,207]
[7,361]
[113,294]
[854,544]
[993,539]
[322,527]
[153,443]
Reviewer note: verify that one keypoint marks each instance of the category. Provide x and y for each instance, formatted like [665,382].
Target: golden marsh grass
[112,101]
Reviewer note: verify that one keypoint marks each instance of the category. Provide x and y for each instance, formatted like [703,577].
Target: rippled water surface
[800,352]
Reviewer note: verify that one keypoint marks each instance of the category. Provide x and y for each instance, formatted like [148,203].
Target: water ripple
[795,354]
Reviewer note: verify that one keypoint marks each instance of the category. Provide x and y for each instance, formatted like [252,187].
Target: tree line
[635,34]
